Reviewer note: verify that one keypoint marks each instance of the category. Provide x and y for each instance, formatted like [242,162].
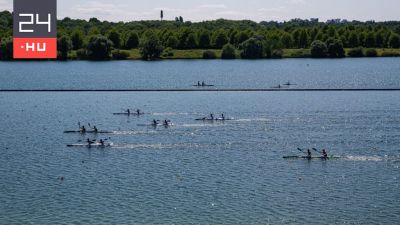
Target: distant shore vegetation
[225,39]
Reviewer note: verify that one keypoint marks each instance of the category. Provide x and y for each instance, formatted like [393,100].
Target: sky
[200,10]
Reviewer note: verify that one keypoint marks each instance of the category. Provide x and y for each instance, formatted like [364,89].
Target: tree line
[95,39]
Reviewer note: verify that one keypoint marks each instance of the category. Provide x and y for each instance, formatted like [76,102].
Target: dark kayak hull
[216,119]
[94,145]
[206,85]
[129,114]
[88,132]
[313,157]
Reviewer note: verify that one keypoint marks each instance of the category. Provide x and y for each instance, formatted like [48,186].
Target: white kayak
[92,145]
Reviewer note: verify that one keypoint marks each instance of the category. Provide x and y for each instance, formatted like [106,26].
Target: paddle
[300,149]
[316,150]
[79,124]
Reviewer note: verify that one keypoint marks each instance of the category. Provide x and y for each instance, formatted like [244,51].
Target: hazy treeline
[152,37]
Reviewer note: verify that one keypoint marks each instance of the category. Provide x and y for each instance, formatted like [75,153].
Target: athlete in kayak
[138,111]
[95,129]
[309,156]
[212,116]
[128,111]
[82,129]
[324,154]
[223,116]
[155,123]
[101,142]
[88,141]
[166,122]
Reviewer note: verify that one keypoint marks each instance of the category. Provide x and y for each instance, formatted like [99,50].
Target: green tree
[99,48]
[6,49]
[335,49]
[319,49]
[172,41]
[303,39]
[77,39]
[379,40]
[241,37]
[353,40]
[253,48]
[220,39]
[369,40]
[204,39]
[133,40]
[191,41]
[394,41]
[228,52]
[115,37]
[151,47]
[286,40]
[64,46]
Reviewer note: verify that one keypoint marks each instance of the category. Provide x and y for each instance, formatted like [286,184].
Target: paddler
[309,154]
[155,123]
[82,129]
[101,142]
[138,111]
[128,111]
[89,142]
[95,129]
[212,116]
[166,123]
[324,154]
[223,116]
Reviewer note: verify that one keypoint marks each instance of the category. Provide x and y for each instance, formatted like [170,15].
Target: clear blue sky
[199,10]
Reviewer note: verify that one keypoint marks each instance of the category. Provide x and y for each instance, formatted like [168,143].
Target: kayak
[94,145]
[313,157]
[129,114]
[215,119]
[88,132]
[206,85]
[162,124]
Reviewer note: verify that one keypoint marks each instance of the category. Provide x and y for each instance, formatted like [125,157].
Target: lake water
[182,74]
[198,172]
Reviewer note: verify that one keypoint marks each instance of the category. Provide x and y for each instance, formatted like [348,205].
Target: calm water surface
[194,172]
[306,73]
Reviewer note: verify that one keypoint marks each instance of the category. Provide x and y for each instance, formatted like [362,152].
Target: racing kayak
[88,132]
[215,119]
[314,157]
[129,114]
[94,145]
[206,85]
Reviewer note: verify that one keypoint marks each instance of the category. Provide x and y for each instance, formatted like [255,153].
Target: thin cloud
[276,9]
[212,6]
[98,8]
[296,2]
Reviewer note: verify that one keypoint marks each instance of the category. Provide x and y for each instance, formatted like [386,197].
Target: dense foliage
[254,40]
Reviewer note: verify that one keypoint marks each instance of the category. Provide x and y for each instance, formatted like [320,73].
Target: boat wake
[253,120]
[371,158]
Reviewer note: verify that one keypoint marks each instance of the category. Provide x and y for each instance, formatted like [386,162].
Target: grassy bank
[134,54]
